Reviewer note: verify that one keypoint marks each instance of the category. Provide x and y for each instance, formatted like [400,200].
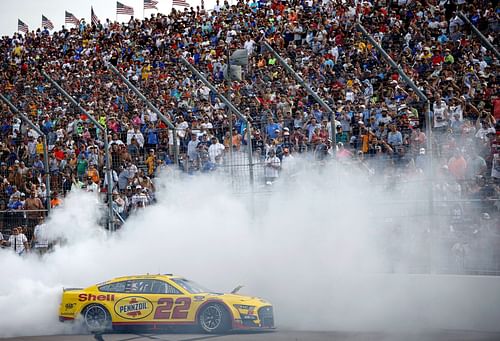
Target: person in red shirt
[58,153]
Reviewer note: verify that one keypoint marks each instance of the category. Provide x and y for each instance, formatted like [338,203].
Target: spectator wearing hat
[91,186]
[139,198]
[15,202]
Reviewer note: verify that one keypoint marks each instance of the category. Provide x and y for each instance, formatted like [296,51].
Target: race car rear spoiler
[71,289]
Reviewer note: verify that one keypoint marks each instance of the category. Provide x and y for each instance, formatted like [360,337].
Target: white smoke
[311,247]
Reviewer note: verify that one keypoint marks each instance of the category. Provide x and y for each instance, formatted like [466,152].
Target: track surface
[280,336]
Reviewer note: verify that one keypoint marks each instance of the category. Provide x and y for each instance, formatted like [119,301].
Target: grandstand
[380,123]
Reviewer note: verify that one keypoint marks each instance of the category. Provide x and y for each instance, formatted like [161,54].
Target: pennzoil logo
[134,307]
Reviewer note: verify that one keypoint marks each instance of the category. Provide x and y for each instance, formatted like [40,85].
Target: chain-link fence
[26,219]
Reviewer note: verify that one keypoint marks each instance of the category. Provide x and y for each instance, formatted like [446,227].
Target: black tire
[96,318]
[214,319]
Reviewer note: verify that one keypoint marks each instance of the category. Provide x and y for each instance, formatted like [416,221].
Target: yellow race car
[159,301]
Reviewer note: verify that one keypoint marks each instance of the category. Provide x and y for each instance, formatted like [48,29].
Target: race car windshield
[190,286]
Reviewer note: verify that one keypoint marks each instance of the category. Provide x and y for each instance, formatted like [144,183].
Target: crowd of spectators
[379,120]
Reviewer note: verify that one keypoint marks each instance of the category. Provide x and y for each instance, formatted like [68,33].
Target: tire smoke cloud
[311,246]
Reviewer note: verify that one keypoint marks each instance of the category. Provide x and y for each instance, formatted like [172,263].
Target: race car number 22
[164,309]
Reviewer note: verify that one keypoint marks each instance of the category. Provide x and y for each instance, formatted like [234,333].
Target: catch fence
[26,219]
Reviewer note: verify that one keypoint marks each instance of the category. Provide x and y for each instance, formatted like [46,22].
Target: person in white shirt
[484,130]
[40,242]
[440,113]
[216,151]
[91,186]
[135,132]
[17,241]
[287,162]
[181,127]
[139,199]
[114,176]
[249,45]
[272,167]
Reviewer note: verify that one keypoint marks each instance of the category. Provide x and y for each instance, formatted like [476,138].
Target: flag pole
[143,11]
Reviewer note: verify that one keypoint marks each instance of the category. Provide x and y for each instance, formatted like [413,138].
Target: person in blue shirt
[394,137]
[15,203]
[316,111]
[271,128]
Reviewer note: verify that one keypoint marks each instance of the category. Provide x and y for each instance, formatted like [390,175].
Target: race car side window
[160,287]
[146,286]
[116,287]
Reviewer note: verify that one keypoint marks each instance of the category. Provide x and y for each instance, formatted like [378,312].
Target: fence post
[485,41]
[152,107]
[106,146]
[308,89]
[231,107]
[45,147]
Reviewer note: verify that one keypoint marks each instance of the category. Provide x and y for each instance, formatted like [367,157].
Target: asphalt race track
[279,336]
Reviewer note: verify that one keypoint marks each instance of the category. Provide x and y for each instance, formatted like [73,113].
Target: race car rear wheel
[97,318]
[214,319]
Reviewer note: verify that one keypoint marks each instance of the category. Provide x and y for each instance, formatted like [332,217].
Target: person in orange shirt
[151,162]
[236,140]
[93,173]
[457,165]
[55,201]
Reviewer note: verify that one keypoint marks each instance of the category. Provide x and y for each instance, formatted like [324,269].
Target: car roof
[147,276]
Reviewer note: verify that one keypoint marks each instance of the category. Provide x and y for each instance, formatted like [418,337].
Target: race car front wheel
[97,318]
[214,319]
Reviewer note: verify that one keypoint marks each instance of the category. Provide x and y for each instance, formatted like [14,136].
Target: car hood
[238,299]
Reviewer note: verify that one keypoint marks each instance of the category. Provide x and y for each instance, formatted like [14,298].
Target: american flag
[93,17]
[47,23]
[124,9]
[150,4]
[182,3]
[22,26]
[69,18]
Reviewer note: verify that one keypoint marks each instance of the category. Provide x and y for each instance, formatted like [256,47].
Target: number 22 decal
[165,305]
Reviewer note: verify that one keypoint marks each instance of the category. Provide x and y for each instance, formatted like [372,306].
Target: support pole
[230,106]
[485,40]
[308,89]
[106,146]
[229,114]
[45,147]
[152,107]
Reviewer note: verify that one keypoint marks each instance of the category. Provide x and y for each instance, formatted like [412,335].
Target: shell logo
[133,307]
